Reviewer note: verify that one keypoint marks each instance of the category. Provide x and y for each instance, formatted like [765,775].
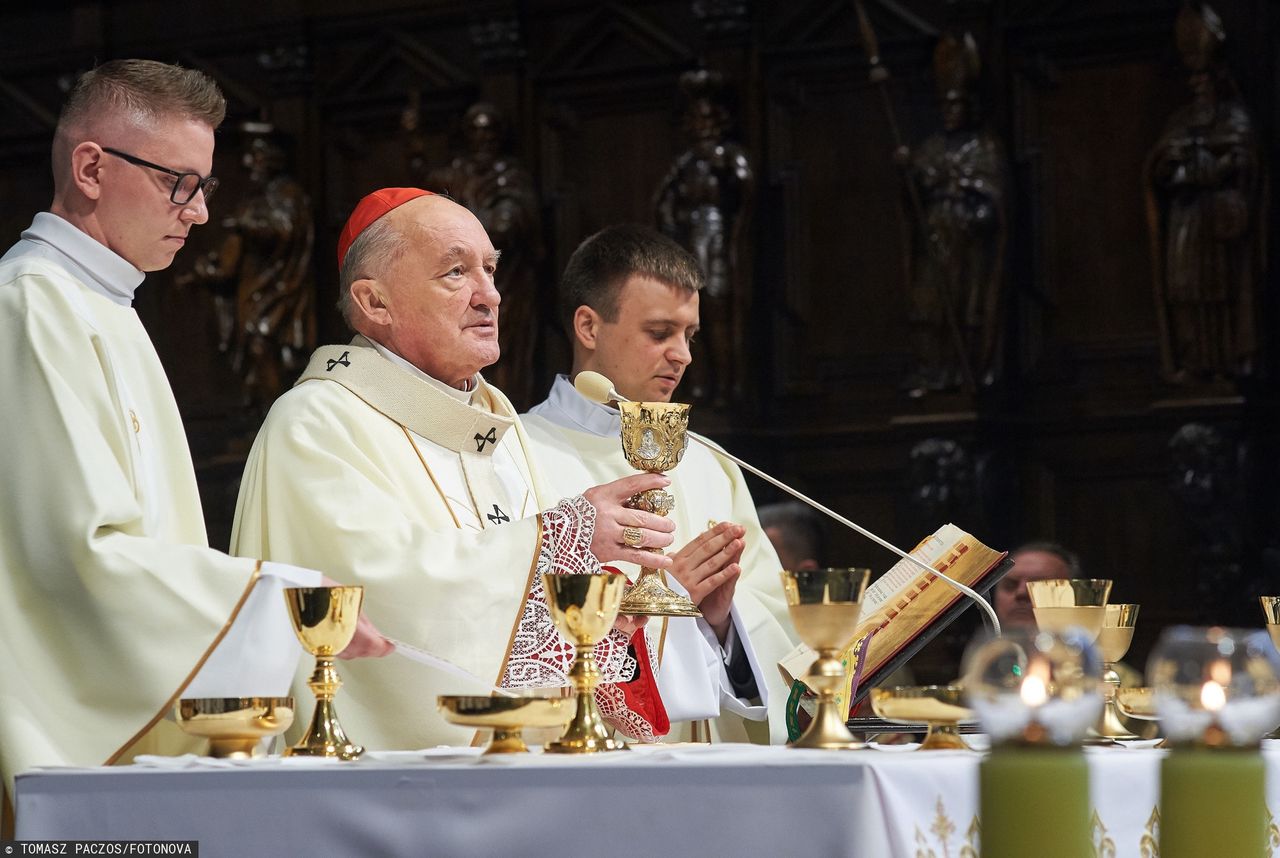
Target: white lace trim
[540,655]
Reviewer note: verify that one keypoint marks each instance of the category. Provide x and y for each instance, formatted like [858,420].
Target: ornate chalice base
[1113,642]
[584,608]
[324,619]
[654,438]
[939,706]
[506,716]
[825,605]
[234,726]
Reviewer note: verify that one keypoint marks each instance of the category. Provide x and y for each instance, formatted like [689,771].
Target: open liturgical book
[901,612]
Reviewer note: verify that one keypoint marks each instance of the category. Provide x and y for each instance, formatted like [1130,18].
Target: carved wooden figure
[705,203]
[1205,201]
[956,264]
[260,277]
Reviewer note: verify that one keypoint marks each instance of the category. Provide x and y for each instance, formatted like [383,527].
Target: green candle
[1035,802]
[1212,803]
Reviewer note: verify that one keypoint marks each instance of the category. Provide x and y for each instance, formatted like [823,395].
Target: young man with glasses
[112,604]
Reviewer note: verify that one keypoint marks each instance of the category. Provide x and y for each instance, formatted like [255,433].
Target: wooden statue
[705,204]
[958,184]
[260,277]
[1205,200]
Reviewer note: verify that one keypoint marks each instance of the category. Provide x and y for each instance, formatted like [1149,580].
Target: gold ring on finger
[632,537]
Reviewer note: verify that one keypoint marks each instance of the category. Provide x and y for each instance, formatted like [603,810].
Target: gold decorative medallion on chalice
[654,438]
[825,605]
[324,619]
[584,608]
[234,726]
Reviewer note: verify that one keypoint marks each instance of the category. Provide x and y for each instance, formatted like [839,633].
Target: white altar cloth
[663,800]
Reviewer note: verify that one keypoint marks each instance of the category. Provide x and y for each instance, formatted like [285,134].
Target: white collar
[463,396]
[568,408]
[95,265]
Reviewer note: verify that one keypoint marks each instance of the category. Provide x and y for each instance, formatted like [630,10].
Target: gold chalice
[1113,642]
[825,605]
[584,608]
[654,438]
[234,726]
[506,716]
[1061,603]
[324,619]
[939,706]
[1271,608]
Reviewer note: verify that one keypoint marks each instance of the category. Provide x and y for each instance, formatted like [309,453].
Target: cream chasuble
[110,598]
[432,504]
[576,442]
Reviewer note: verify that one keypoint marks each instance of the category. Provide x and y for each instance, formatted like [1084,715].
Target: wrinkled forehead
[437,226]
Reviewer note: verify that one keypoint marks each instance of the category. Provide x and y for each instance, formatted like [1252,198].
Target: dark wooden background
[1071,446]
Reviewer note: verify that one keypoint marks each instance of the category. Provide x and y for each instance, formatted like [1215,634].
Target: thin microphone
[597,388]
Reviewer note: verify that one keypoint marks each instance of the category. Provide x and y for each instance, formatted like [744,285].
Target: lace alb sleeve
[540,655]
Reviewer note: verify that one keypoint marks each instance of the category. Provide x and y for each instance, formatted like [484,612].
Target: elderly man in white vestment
[392,454]
[112,604]
[629,302]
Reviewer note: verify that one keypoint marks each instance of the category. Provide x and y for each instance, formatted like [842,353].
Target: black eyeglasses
[185,185]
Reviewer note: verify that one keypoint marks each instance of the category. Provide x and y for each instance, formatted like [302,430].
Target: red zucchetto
[371,208]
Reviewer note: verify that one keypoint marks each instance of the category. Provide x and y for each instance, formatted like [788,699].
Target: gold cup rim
[1120,615]
[229,705]
[1069,592]
[832,585]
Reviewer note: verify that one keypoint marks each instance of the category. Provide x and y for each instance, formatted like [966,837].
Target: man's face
[137,218]
[645,351]
[1013,605]
[440,293]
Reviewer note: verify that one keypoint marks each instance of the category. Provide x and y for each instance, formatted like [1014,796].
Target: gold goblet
[654,438]
[1271,608]
[324,619]
[1113,642]
[939,706]
[584,608]
[234,726]
[825,605]
[1061,603]
[506,716]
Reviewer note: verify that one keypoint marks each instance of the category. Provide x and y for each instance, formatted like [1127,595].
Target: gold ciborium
[324,619]
[1271,608]
[506,716]
[941,707]
[234,726]
[1061,603]
[1113,642]
[825,605]
[584,608]
[654,438]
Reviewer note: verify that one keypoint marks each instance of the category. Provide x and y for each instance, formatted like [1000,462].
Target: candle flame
[1034,692]
[1212,696]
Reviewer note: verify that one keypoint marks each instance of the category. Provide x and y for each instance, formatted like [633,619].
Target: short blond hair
[147,90]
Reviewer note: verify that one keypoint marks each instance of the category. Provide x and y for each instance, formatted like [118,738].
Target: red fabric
[641,692]
[371,208]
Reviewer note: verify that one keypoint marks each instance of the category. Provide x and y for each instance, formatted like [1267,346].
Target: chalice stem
[325,736]
[587,732]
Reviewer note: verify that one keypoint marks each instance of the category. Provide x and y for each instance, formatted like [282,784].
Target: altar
[660,800]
